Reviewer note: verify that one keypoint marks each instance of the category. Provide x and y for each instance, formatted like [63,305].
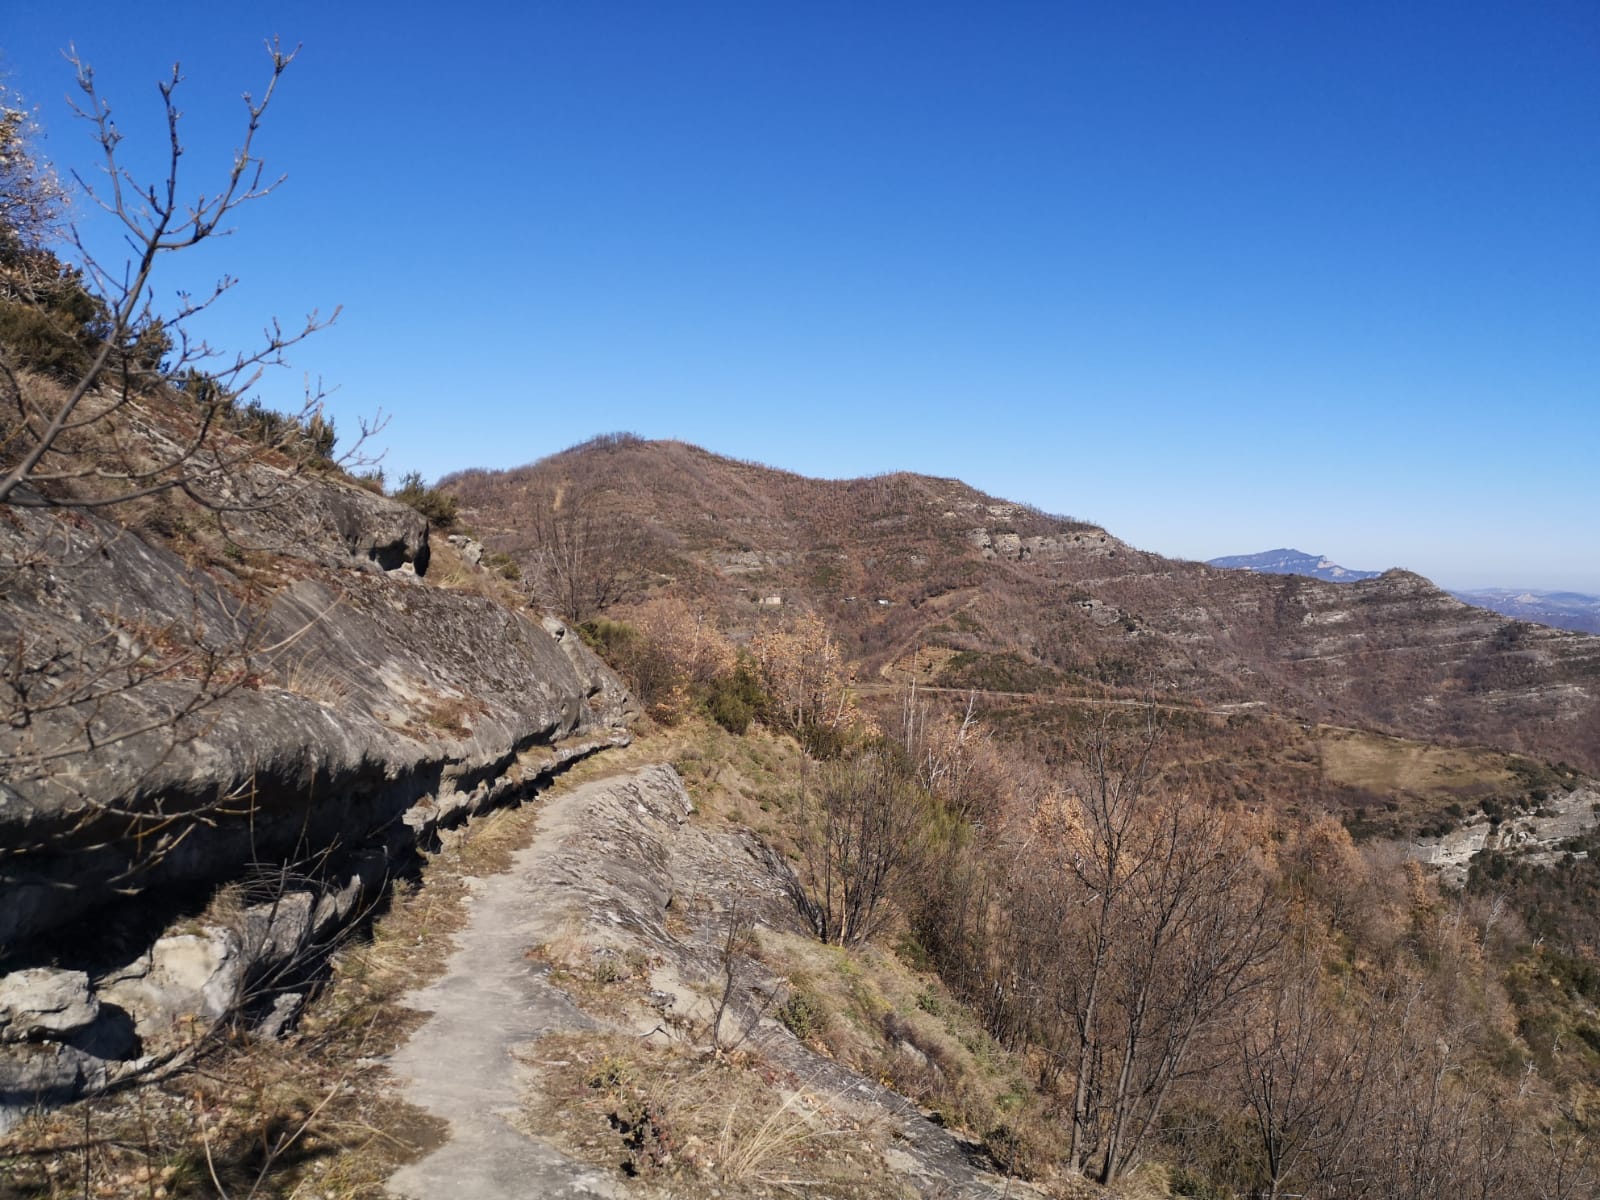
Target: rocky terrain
[229,743]
[619,885]
[1534,836]
[216,763]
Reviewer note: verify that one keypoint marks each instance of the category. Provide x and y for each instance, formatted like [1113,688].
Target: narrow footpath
[459,1064]
[605,869]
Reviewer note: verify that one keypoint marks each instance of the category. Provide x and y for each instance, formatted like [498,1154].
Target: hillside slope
[930,578]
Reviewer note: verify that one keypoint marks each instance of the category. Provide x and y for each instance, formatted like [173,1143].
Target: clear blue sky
[1222,277]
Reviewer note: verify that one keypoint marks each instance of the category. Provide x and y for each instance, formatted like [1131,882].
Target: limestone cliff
[289,717]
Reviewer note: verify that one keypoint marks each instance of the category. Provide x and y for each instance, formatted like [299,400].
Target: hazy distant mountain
[1293,562]
[1564,610]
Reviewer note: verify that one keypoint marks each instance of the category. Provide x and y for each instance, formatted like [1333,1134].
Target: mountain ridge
[1576,611]
[1285,561]
[929,578]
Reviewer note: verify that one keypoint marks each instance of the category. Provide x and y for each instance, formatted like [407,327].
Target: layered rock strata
[290,723]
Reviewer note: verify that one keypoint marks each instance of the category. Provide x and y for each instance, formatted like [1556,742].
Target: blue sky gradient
[1222,277]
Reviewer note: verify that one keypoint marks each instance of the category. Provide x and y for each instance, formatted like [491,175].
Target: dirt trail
[459,1065]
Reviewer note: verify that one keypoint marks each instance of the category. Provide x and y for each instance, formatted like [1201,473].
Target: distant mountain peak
[1286,561]
[1562,610]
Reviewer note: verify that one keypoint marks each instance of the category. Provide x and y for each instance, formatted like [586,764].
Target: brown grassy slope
[998,595]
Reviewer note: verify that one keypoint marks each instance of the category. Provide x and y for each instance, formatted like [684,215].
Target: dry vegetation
[1140,939]
[312,1114]
[1102,965]
[1063,610]
[697,1124]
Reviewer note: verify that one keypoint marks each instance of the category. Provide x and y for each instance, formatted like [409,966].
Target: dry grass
[448,570]
[309,1116]
[1388,765]
[869,1010]
[703,1125]
[312,1117]
[746,780]
[922,664]
[259,1119]
[306,676]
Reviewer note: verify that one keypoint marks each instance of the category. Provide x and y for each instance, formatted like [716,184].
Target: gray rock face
[319,716]
[47,1073]
[337,524]
[471,549]
[1535,837]
[296,726]
[43,1002]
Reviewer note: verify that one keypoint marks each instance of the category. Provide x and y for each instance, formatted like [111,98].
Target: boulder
[47,1073]
[183,980]
[471,549]
[44,1003]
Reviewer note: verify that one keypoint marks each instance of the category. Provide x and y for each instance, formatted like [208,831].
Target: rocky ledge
[213,764]
[1537,836]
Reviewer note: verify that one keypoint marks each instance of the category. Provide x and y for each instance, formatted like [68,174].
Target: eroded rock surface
[1535,836]
[44,1002]
[293,724]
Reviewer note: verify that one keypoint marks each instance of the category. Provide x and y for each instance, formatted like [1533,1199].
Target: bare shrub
[803,673]
[579,557]
[862,825]
[672,654]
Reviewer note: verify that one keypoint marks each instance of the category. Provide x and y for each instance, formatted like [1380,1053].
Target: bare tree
[85,442]
[1141,923]
[954,759]
[579,558]
[803,673]
[1305,1070]
[1103,866]
[861,831]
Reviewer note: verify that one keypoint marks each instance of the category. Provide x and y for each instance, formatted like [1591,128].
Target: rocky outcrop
[333,523]
[1537,836]
[470,549]
[288,725]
